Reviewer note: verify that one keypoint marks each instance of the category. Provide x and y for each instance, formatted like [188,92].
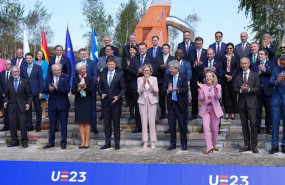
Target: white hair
[79,65]
[174,63]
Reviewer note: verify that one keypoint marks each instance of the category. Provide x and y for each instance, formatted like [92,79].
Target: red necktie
[18,63]
[218,52]
[242,48]
[199,55]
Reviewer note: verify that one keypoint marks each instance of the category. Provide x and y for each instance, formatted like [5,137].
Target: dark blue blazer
[222,49]
[219,69]
[65,63]
[183,48]
[2,81]
[279,89]
[182,93]
[158,52]
[185,68]
[271,51]
[23,64]
[91,68]
[134,67]
[36,79]
[58,98]
[251,67]
[193,58]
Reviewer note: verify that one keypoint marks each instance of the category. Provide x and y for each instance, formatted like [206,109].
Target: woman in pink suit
[148,89]
[2,62]
[210,111]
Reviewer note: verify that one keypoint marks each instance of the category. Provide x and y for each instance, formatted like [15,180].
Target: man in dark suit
[186,46]
[282,49]
[176,86]
[155,51]
[19,60]
[126,48]
[63,60]
[264,68]
[111,88]
[107,42]
[91,71]
[58,87]
[33,73]
[247,86]
[197,57]
[5,76]
[219,46]
[243,49]
[135,70]
[277,81]
[161,65]
[18,99]
[253,56]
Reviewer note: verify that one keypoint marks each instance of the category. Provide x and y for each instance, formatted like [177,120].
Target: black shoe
[86,147]
[282,148]
[162,116]
[171,147]
[101,117]
[94,130]
[25,145]
[274,150]
[131,117]
[56,129]
[193,116]
[106,146]
[258,131]
[137,130]
[126,105]
[117,147]
[201,131]
[30,129]
[14,143]
[167,131]
[219,131]
[4,129]
[187,131]
[268,131]
[184,147]
[63,146]
[81,147]
[38,130]
[48,146]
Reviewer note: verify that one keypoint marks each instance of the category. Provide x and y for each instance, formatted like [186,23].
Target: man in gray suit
[243,49]
[102,64]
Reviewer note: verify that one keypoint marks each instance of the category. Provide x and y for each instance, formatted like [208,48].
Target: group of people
[243,78]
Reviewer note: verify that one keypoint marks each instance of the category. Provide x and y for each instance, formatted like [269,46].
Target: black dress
[83,105]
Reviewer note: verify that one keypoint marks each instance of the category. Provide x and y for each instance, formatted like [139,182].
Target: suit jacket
[183,48]
[65,63]
[161,72]
[235,67]
[102,64]
[117,87]
[23,64]
[36,79]
[271,51]
[185,68]
[58,98]
[151,94]
[238,50]
[126,52]
[278,95]
[115,51]
[125,68]
[158,52]
[182,93]
[91,68]
[216,95]
[196,69]
[247,98]
[134,67]
[222,49]
[19,99]
[265,76]
[219,69]
[250,57]
[3,81]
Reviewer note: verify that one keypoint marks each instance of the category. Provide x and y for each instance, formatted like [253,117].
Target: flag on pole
[94,47]
[44,46]
[69,53]
[26,47]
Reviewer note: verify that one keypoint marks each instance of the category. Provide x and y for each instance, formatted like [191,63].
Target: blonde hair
[147,65]
[266,35]
[215,79]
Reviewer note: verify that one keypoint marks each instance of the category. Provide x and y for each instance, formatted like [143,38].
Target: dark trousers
[174,113]
[278,112]
[63,118]
[162,96]
[6,118]
[229,97]
[114,114]
[250,136]
[137,112]
[94,123]
[17,117]
[264,100]
[38,109]
[129,97]
[194,94]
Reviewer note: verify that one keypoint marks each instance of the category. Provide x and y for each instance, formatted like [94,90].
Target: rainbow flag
[44,46]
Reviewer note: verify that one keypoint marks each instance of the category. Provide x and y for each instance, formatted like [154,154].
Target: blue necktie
[141,60]
[29,70]
[187,47]
[154,52]
[174,94]
[16,85]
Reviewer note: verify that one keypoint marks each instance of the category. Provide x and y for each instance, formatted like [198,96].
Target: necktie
[245,78]
[56,80]
[154,52]
[110,79]
[18,63]
[16,85]
[7,76]
[141,60]
[174,94]
[254,58]
[57,60]
[199,55]
[187,47]
[210,67]
[242,48]
[218,52]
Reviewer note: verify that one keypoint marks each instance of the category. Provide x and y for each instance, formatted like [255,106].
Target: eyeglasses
[229,48]
[282,47]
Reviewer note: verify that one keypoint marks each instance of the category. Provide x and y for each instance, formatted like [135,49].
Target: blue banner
[48,173]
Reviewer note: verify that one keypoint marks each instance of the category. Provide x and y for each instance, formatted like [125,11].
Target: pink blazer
[2,64]
[216,95]
[151,94]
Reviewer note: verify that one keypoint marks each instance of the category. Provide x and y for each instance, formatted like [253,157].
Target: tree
[142,8]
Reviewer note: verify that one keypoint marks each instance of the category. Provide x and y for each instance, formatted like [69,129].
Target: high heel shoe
[145,145]
[216,148]
[152,145]
[81,147]
[208,151]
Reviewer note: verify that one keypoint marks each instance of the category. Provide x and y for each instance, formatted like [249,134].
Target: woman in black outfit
[83,87]
[231,67]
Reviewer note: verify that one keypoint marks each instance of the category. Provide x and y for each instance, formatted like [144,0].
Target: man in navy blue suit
[19,60]
[155,51]
[135,71]
[219,46]
[91,71]
[126,48]
[277,81]
[187,45]
[34,74]
[253,56]
[57,86]
[63,60]
[176,86]
[107,41]
[5,76]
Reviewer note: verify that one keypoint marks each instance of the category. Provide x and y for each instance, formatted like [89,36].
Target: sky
[221,15]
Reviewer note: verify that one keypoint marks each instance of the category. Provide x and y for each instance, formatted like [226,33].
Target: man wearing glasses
[107,41]
[219,46]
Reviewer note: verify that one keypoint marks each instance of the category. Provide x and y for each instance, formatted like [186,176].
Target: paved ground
[227,156]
